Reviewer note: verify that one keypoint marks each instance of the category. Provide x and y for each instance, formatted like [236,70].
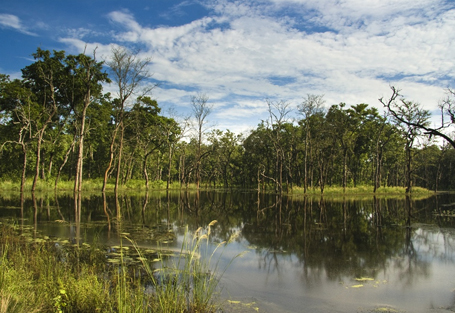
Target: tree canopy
[57,123]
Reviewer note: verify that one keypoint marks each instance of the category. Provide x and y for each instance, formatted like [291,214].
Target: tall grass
[40,275]
[189,282]
[361,189]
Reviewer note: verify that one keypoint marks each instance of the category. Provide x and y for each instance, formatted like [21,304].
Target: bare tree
[447,107]
[201,109]
[278,112]
[412,120]
[129,73]
[311,105]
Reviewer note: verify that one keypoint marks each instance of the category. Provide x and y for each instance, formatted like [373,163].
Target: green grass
[138,185]
[362,190]
[42,275]
[88,185]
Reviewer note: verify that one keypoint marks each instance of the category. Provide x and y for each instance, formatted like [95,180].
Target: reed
[189,282]
[41,275]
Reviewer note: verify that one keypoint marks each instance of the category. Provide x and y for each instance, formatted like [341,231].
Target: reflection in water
[330,255]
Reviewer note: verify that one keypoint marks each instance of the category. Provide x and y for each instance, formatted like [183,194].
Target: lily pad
[357,286]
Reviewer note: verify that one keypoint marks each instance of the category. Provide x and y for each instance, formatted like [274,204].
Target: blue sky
[240,53]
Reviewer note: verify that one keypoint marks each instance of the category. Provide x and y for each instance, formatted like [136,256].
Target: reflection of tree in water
[341,238]
[333,238]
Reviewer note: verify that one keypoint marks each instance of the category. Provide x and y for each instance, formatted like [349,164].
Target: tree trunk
[345,169]
[67,154]
[80,154]
[408,170]
[120,152]
[169,167]
[38,157]
[24,166]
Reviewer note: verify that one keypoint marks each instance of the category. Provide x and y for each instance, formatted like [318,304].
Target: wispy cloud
[12,21]
[349,50]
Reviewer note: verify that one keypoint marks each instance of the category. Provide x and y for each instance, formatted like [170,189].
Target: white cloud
[12,21]
[256,50]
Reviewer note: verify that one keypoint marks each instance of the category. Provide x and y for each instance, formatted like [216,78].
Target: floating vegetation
[239,306]
[364,279]
[385,309]
[357,286]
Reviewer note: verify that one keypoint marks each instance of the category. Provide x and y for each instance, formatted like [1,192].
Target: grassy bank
[88,185]
[362,190]
[44,275]
[138,185]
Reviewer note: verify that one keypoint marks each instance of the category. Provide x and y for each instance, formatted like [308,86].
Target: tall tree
[344,136]
[312,105]
[278,112]
[201,110]
[44,78]
[129,72]
[17,107]
[86,78]
[173,133]
[144,126]
[412,120]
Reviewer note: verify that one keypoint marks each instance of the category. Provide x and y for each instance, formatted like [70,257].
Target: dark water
[304,254]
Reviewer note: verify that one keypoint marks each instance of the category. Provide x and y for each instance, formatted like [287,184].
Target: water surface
[351,254]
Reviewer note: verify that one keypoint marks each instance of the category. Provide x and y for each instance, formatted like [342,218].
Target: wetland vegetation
[331,194]
[59,127]
[40,273]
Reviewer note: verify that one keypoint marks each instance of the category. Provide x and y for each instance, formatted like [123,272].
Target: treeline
[57,123]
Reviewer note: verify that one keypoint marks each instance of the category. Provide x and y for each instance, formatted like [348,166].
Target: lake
[301,254]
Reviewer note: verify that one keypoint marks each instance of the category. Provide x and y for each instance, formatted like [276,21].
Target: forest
[57,124]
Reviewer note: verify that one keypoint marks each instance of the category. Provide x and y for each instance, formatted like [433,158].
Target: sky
[244,53]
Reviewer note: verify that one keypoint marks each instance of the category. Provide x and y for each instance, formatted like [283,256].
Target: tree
[344,135]
[44,78]
[312,105]
[201,109]
[16,105]
[143,125]
[412,120]
[173,132]
[129,73]
[447,107]
[86,77]
[278,112]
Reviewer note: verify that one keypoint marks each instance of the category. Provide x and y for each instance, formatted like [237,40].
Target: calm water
[304,255]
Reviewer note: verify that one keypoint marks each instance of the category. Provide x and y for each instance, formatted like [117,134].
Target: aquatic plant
[189,282]
[40,274]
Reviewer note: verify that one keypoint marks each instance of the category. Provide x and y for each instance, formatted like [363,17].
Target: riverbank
[138,185]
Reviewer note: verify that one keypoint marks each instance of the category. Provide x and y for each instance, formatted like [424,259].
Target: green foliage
[41,130]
